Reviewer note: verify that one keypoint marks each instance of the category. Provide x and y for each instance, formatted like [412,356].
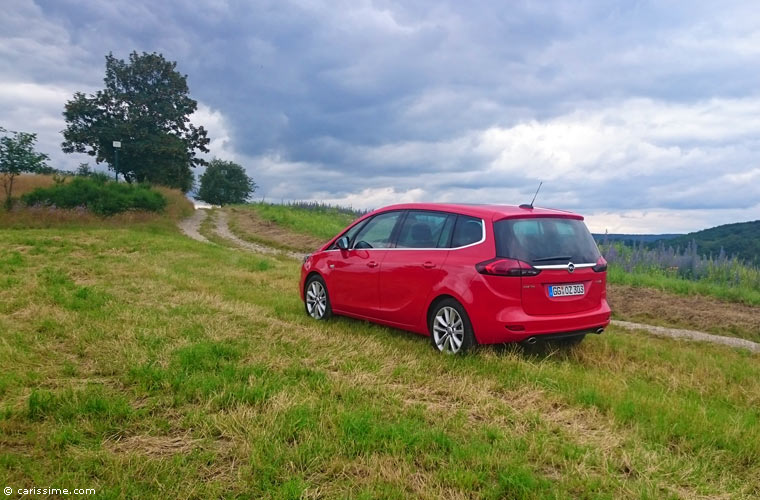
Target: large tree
[145,105]
[17,156]
[224,183]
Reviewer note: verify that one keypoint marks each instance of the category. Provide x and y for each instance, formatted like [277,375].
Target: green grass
[661,281]
[324,223]
[144,364]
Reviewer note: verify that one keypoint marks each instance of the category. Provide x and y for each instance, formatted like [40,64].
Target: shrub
[98,195]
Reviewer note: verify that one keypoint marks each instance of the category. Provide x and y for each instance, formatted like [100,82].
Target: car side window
[448,228]
[421,229]
[468,230]
[378,231]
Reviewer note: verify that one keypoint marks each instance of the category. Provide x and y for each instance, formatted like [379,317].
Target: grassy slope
[145,364]
[323,224]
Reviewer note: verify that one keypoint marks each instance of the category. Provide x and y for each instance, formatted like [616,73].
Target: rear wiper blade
[556,257]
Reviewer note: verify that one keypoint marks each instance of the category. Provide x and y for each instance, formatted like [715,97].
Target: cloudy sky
[644,116]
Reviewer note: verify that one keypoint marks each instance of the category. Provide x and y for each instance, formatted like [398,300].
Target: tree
[145,105]
[225,182]
[17,156]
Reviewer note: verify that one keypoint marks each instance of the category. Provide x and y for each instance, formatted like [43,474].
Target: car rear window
[545,241]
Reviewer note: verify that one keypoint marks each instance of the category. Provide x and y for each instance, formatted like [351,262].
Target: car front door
[354,273]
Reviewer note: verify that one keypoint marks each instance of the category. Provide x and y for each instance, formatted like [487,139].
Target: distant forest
[741,239]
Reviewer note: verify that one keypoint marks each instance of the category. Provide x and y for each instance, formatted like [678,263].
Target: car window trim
[482,239]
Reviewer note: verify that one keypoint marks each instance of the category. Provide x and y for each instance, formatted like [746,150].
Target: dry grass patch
[154,446]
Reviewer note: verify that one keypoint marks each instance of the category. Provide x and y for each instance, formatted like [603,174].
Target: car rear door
[409,271]
[564,253]
[353,280]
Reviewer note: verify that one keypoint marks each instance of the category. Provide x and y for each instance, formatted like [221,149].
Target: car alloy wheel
[449,330]
[317,301]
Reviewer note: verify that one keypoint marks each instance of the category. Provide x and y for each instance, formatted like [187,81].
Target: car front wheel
[450,328]
[317,300]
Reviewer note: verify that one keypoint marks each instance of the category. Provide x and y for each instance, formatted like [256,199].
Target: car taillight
[506,267]
[601,265]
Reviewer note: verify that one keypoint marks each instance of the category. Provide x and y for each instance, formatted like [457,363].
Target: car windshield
[545,241]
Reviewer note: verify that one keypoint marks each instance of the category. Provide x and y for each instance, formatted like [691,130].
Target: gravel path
[191,225]
[677,333]
[191,228]
[223,229]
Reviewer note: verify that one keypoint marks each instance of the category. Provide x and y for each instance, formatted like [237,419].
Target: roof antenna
[525,205]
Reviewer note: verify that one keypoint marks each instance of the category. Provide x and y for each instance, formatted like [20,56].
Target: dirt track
[191,226]
[677,333]
[222,228]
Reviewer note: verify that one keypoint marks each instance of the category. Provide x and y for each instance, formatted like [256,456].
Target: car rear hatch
[561,264]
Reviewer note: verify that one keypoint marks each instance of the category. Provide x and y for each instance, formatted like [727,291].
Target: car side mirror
[343,243]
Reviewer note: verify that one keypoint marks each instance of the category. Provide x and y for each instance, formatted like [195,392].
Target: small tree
[225,182]
[17,156]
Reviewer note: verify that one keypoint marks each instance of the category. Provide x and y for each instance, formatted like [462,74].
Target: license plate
[566,290]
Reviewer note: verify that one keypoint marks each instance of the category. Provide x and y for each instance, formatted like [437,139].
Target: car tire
[450,328]
[316,299]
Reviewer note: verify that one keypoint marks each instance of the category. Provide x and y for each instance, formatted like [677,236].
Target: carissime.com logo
[48,491]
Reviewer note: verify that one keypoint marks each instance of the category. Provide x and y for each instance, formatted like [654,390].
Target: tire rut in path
[191,225]
[677,333]
[222,229]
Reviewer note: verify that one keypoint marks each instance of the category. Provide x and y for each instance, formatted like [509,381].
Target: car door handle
[372,263]
[428,265]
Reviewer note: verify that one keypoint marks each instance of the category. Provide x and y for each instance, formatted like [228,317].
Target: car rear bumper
[512,324]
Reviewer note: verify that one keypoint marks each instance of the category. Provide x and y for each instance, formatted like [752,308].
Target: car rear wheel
[450,328]
[317,300]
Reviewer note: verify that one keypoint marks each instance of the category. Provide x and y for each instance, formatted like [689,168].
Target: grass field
[141,363]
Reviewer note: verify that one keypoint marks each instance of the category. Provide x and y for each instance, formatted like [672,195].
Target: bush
[98,195]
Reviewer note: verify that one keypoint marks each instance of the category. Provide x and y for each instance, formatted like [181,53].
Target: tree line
[139,126]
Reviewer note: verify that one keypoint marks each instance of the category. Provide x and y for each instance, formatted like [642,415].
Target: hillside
[741,239]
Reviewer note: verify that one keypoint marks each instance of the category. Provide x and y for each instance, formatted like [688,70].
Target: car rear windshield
[545,241]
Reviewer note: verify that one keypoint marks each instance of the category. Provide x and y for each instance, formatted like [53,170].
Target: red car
[463,274]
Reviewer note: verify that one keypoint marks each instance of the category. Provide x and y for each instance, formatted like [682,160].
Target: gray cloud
[629,110]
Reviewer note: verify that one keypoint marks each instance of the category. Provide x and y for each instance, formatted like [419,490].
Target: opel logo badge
[570,267]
